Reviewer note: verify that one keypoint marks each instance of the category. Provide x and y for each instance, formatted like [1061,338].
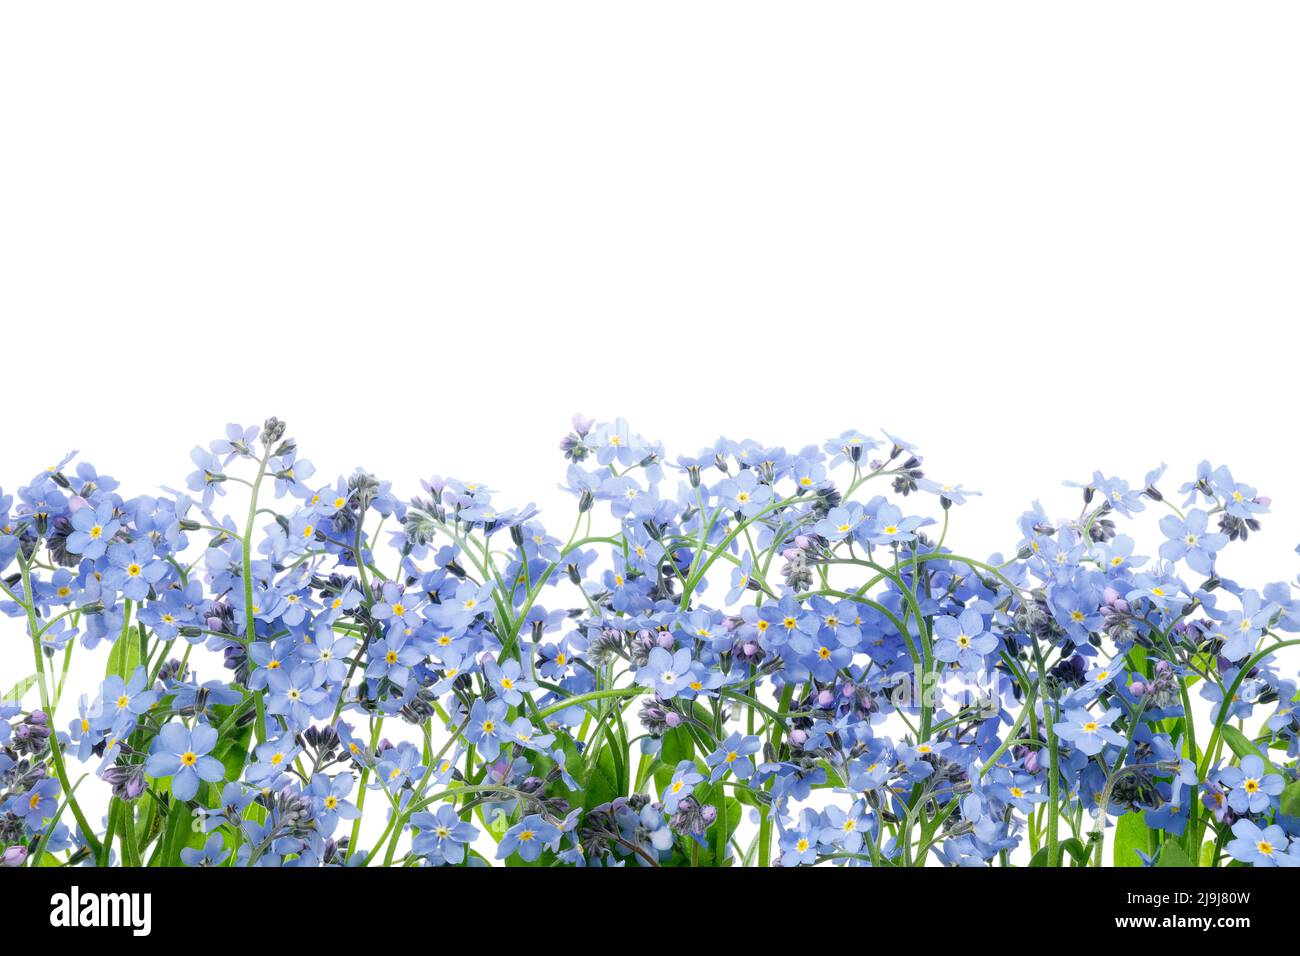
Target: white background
[1035,238]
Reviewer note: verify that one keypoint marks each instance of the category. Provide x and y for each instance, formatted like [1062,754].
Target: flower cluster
[746,656]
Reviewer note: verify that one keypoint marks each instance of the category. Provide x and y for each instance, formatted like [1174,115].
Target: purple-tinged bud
[1027,757]
[825,698]
[666,640]
[802,542]
[709,812]
[127,781]
[13,856]
[1137,688]
[673,719]
[798,737]
[848,689]
[582,424]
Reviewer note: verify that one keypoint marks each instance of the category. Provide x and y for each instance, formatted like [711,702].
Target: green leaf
[1291,800]
[601,785]
[15,694]
[1078,852]
[232,747]
[729,811]
[677,746]
[176,835]
[1131,835]
[124,657]
[1242,745]
[1172,854]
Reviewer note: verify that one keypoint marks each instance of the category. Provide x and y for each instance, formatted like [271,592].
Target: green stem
[56,755]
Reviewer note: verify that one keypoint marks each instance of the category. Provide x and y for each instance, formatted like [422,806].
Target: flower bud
[13,856]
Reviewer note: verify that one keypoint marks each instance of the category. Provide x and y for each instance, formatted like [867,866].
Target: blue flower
[1253,787]
[846,829]
[1242,629]
[214,853]
[442,835]
[1260,847]
[93,530]
[329,797]
[132,569]
[840,522]
[486,727]
[294,694]
[681,785]
[734,756]
[963,640]
[508,681]
[1088,733]
[666,672]
[1190,542]
[182,754]
[392,657]
[35,805]
[119,698]
[529,838]
[799,843]
[744,493]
